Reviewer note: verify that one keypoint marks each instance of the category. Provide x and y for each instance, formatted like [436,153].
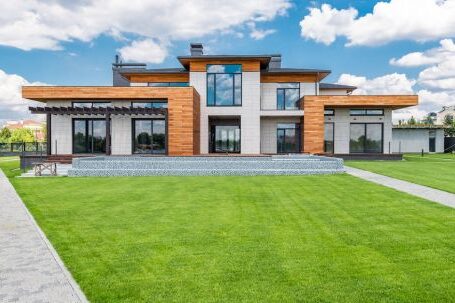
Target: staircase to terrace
[205,166]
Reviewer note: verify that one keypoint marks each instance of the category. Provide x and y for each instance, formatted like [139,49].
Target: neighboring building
[415,138]
[35,126]
[245,104]
[446,110]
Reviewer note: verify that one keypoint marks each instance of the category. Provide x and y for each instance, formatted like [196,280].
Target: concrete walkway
[30,269]
[431,194]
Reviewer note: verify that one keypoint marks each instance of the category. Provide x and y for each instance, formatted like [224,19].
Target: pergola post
[48,134]
[108,134]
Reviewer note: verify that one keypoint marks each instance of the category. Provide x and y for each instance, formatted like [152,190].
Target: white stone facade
[414,140]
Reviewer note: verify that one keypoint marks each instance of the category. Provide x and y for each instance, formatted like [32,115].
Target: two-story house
[247,104]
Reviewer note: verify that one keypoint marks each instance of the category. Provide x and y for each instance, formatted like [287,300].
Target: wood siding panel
[271,78]
[183,108]
[158,78]
[247,65]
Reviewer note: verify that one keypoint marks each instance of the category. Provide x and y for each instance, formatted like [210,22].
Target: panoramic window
[366,138]
[366,112]
[329,133]
[224,85]
[288,96]
[89,136]
[91,104]
[149,136]
[288,138]
[152,104]
[167,84]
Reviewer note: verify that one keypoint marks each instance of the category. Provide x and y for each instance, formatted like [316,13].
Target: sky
[382,47]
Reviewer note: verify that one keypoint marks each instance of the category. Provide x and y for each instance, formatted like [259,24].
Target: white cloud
[441,72]
[12,105]
[419,20]
[392,84]
[259,34]
[34,24]
[144,51]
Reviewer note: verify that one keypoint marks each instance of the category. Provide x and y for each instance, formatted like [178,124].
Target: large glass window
[168,84]
[225,139]
[149,136]
[152,104]
[288,138]
[91,104]
[288,96]
[329,133]
[366,138]
[366,112]
[224,85]
[89,136]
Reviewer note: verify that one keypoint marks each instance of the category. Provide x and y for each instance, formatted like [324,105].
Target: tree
[22,135]
[428,120]
[412,121]
[5,135]
[449,123]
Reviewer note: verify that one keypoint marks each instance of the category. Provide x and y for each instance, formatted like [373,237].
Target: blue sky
[57,52]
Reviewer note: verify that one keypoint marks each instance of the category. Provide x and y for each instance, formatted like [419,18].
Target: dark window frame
[329,114]
[284,96]
[161,101]
[73,120]
[133,136]
[298,129]
[91,103]
[233,87]
[169,84]
[366,112]
[365,132]
[333,137]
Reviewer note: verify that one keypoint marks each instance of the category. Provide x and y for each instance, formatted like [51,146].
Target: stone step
[271,164]
[198,172]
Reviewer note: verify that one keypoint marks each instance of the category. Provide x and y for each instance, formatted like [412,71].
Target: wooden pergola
[107,112]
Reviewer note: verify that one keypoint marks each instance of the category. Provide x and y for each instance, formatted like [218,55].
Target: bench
[40,167]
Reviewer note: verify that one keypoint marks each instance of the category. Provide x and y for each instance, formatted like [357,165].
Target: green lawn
[252,239]
[435,170]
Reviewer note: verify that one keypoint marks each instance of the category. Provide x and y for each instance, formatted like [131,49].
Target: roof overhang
[56,93]
[263,59]
[319,74]
[111,110]
[365,101]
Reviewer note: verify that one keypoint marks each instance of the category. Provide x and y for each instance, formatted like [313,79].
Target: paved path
[435,195]
[30,269]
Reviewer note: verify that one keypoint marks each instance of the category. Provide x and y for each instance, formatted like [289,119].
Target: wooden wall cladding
[183,108]
[247,65]
[313,121]
[284,77]
[181,77]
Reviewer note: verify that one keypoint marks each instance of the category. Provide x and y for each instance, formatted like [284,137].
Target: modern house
[247,104]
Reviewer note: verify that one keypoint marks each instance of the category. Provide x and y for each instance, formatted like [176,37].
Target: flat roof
[185,60]
[129,71]
[336,86]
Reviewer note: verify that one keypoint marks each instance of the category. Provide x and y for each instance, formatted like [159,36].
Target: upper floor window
[329,112]
[224,85]
[91,104]
[366,112]
[288,96]
[151,104]
[167,84]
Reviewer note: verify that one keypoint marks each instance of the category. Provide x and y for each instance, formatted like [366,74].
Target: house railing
[17,148]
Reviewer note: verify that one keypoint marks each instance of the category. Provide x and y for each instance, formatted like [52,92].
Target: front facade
[216,104]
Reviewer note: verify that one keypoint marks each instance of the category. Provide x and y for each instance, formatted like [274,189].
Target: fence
[22,148]
[449,144]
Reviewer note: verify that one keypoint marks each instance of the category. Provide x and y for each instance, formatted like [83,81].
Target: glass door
[149,136]
[288,138]
[225,139]
[89,136]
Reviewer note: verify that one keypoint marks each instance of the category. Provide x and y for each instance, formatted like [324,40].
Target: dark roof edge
[336,86]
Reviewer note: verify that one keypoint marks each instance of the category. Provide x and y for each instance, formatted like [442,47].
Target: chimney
[275,61]
[196,49]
